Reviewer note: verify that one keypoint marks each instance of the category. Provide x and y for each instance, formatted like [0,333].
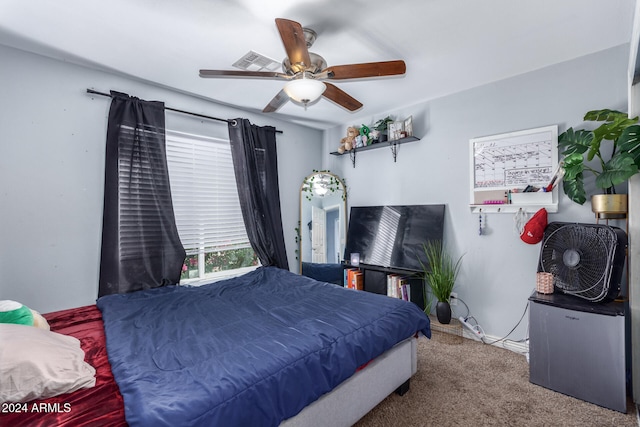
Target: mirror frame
[305,193]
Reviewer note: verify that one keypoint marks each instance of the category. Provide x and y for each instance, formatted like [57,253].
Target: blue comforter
[248,351]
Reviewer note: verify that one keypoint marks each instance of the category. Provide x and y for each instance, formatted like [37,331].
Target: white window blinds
[205,198]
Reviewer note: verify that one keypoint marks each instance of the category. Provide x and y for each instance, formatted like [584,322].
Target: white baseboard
[517,347]
[456,329]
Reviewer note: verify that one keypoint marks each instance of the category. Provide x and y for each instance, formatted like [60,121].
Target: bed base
[403,388]
[358,395]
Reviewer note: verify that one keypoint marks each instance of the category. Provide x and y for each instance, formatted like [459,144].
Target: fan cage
[581,258]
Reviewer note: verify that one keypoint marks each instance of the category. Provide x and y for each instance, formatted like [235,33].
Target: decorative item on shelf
[581,146]
[365,135]
[349,142]
[408,126]
[440,275]
[355,259]
[382,127]
[395,130]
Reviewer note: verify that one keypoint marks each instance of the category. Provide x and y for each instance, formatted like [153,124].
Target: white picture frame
[394,129]
[408,125]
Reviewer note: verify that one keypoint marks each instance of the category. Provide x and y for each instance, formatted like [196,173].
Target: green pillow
[14,312]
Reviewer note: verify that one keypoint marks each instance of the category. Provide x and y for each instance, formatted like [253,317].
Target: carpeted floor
[467,383]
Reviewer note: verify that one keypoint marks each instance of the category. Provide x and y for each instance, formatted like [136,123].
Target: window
[207,208]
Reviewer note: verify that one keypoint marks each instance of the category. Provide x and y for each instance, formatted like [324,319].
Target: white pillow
[37,364]
[39,321]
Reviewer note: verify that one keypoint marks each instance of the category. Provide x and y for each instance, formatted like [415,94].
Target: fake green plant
[298,238]
[440,272]
[611,152]
[382,124]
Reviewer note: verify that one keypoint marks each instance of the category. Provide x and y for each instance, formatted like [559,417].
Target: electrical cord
[465,304]
[511,331]
[476,327]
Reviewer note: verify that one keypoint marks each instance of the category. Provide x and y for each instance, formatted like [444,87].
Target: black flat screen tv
[392,236]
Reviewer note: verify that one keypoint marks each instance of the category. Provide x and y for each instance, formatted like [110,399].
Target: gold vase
[609,206]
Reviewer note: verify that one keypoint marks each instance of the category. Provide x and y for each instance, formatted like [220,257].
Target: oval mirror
[323,223]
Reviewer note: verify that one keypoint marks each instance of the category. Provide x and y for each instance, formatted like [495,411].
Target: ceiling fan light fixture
[321,187]
[304,90]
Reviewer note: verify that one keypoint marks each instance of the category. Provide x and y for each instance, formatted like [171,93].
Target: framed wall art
[408,126]
[395,129]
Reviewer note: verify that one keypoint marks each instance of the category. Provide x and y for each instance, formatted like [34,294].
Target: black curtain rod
[95,92]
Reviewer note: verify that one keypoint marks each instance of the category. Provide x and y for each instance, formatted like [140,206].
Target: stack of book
[354,279]
[398,287]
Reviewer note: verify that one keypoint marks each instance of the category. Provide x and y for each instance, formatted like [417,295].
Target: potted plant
[440,276]
[611,152]
[381,128]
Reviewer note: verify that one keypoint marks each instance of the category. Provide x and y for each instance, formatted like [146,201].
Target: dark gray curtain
[140,244]
[253,149]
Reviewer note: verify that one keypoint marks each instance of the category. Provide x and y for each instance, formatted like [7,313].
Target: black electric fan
[586,260]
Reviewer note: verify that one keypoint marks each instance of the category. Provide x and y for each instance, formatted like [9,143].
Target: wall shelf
[393,145]
[375,280]
[512,208]
[527,202]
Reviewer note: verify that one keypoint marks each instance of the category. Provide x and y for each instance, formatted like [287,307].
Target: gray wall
[52,160]
[52,143]
[498,269]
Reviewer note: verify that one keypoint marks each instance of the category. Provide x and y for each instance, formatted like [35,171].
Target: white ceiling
[448,45]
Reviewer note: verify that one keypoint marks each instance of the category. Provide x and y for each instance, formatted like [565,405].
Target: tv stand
[375,280]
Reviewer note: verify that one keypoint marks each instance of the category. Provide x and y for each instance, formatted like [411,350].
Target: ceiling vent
[253,61]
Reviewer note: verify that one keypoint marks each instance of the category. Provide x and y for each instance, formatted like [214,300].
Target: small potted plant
[440,275]
[611,152]
[381,128]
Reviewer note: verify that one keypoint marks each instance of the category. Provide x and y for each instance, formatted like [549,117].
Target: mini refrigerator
[577,347]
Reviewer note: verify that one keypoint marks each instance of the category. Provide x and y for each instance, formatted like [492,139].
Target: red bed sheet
[101,405]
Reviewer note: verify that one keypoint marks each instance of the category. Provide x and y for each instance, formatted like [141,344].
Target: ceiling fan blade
[294,43]
[278,101]
[367,69]
[243,74]
[341,97]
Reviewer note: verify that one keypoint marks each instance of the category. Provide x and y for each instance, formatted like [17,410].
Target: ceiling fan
[307,73]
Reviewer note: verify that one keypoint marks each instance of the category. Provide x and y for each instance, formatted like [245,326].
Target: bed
[100,405]
[267,348]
